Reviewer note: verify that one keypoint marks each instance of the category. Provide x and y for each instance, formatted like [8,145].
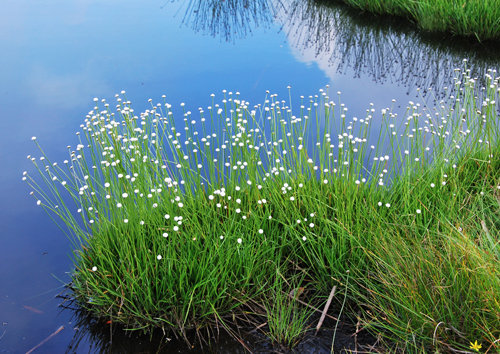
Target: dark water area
[58,55]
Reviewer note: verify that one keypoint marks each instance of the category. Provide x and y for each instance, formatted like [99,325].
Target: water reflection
[91,335]
[229,19]
[340,41]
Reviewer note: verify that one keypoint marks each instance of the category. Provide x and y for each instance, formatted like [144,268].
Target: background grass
[471,18]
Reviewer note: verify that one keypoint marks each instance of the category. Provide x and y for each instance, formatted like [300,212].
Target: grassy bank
[471,18]
[253,214]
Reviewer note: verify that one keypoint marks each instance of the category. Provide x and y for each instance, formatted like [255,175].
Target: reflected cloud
[64,90]
[342,41]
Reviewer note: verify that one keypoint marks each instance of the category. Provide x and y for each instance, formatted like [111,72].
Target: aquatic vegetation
[183,226]
[478,19]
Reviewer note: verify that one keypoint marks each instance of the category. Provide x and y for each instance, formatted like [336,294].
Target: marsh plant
[476,19]
[179,224]
[287,318]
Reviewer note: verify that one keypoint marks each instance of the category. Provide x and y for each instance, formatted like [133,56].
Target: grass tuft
[479,19]
[187,227]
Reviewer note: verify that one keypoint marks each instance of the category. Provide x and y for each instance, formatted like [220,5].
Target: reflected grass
[183,226]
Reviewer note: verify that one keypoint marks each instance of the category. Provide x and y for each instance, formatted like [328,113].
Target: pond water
[58,55]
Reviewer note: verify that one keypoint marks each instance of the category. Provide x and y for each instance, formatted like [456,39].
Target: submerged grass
[190,227]
[471,18]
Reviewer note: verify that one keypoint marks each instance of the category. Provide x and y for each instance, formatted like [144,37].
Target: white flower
[379,203]
[432,185]
[158,257]
[238,211]
[387,205]
[33,138]
[239,240]
[38,202]
[419,211]
[261,231]
[221,237]
[176,228]
[292,199]
[141,222]
[325,181]
[304,238]
[94,269]
[165,234]
[125,221]
[118,205]
[124,195]
[167,216]
[180,205]
[311,225]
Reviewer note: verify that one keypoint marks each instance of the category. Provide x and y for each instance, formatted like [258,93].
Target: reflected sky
[57,55]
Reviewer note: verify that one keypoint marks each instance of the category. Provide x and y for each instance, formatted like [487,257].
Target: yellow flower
[475,346]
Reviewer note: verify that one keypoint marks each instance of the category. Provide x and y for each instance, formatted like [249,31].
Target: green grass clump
[471,18]
[224,218]
[287,318]
[435,278]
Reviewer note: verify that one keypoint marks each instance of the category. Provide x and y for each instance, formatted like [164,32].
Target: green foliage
[471,18]
[189,230]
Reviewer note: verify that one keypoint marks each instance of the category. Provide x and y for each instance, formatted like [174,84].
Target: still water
[57,55]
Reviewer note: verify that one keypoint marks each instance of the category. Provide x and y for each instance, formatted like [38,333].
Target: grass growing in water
[182,227]
[472,18]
